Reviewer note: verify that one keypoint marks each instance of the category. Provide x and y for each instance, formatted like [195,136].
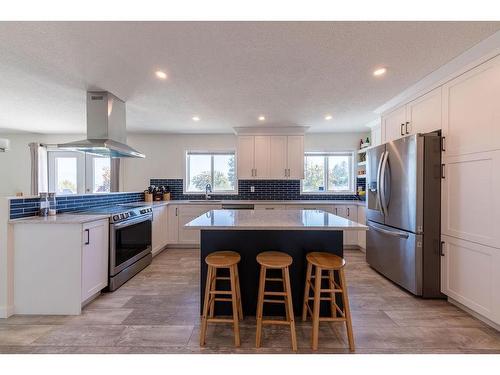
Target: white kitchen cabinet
[259,206]
[470,202]
[262,157]
[393,124]
[349,212]
[67,265]
[470,274]
[423,115]
[95,255]
[322,207]
[279,156]
[271,157]
[295,157]
[159,228]
[186,213]
[376,135]
[471,121]
[245,157]
[173,224]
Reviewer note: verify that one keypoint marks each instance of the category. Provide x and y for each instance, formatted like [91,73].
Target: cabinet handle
[176,211]
[348,212]
[441,247]
[255,172]
[406,127]
[285,172]
[87,232]
[335,210]
[443,146]
[402,133]
[442,170]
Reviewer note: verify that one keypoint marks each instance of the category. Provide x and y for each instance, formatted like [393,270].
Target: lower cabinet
[186,213]
[349,212]
[67,265]
[95,258]
[160,228]
[470,274]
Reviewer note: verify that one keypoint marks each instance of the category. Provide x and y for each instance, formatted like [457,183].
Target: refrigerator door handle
[379,169]
[394,233]
[382,183]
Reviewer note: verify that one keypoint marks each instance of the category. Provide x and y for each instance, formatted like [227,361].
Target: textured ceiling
[228,73]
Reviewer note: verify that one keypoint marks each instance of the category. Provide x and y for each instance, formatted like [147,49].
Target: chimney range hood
[106,128]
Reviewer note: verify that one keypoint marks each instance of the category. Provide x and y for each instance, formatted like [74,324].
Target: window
[215,168]
[328,172]
[73,172]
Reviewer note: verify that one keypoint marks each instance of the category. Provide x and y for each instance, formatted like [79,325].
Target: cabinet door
[245,161]
[350,237]
[471,121]
[393,124]
[278,161]
[95,254]
[160,228]
[186,214]
[424,113]
[362,233]
[269,206]
[376,135]
[295,157]
[470,200]
[262,157]
[472,276]
[173,224]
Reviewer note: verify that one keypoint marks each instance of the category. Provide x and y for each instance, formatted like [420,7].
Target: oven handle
[127,223]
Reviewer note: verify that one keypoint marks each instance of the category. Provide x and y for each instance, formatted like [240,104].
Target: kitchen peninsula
[250,232]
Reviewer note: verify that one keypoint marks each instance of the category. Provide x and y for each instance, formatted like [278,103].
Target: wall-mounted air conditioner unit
[4,144]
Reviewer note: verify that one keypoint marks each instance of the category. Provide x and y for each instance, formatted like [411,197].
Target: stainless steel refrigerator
[403,212]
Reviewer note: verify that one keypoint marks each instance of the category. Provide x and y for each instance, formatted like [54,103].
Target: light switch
[252,189]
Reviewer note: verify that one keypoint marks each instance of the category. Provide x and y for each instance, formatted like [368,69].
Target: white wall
[164,155]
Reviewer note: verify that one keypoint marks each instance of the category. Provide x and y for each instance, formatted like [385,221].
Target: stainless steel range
[129,241]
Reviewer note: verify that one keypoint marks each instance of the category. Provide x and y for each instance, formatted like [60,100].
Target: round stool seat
[325,261]
[274,259]
[222,258]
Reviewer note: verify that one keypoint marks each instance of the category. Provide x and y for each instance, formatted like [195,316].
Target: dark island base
[249,243]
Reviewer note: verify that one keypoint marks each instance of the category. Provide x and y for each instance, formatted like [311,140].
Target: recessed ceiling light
[328,117]
[161,75]
[196,118]
[379,72]
[262,118]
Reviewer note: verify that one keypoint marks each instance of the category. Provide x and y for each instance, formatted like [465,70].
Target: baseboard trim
[183,246]
[6,311]
[474,314]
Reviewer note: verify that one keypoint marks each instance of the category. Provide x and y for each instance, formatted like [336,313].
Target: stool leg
[306,292]
[333,302]
[289,308]
[234,302]
[213,286]
[347,310]
[238,291]
[260,305]
[315,317]
[203,330]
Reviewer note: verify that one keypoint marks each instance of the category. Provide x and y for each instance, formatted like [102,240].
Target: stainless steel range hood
[106,128]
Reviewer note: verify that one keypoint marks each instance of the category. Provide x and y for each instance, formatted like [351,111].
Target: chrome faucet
[208,190]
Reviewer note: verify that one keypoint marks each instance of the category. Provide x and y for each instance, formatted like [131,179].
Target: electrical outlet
[252,189]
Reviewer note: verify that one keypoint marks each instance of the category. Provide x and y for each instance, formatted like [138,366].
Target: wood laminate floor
[157,312]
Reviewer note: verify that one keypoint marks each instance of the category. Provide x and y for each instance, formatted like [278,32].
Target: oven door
[129,241]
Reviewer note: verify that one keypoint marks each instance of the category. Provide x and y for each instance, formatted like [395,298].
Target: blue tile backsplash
[264,190]
[29,206]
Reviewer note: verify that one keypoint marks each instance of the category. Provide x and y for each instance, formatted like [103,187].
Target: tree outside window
[328,173]
[216,169]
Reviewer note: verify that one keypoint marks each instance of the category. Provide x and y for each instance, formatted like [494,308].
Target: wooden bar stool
[334,265]
[275,260]
[215,261]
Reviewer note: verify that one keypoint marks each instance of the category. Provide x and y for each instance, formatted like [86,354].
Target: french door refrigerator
[403,212]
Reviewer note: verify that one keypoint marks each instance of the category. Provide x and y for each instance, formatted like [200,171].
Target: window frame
[84,170]
[326,154]
[212,153]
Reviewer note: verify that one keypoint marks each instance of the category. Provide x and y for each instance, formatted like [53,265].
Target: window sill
[327,193]
[211,194]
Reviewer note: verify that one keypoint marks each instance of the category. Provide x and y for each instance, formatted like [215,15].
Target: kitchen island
[250,232]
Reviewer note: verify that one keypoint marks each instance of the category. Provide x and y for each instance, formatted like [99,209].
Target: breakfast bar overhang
[250,232]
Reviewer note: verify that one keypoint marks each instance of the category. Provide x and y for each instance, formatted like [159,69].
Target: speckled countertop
[60,219]
[254,202]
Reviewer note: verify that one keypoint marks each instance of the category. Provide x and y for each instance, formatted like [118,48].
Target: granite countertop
[255,202]
[273,220]
[60,219]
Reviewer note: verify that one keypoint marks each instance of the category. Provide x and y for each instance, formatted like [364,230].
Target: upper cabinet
[271,157]
[423,115]
[472,112]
